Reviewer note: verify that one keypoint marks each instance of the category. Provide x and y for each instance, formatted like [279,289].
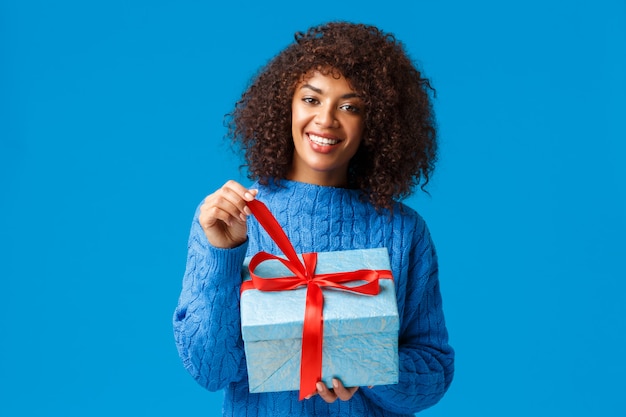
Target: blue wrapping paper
[360,332]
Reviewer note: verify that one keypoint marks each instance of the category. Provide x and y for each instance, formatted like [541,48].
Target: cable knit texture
[207,324]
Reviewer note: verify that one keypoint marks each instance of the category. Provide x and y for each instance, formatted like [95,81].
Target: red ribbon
[304,275]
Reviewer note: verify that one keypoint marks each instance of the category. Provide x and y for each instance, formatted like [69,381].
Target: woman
[336,129]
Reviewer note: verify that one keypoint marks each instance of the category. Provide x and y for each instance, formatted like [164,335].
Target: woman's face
[326,125]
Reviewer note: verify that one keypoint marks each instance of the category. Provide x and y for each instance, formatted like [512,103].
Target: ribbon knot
[305,276]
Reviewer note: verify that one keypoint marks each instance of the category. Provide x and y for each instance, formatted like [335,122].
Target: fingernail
[335,383]
[247,210]
[248,196]
[319,386]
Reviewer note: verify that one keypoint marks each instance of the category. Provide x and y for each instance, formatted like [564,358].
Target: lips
[322,141]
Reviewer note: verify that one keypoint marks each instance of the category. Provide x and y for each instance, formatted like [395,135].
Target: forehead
[324,79]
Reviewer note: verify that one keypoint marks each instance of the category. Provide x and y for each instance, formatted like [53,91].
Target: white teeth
[323,141]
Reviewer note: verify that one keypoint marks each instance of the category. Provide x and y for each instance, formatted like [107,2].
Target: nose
[325,117]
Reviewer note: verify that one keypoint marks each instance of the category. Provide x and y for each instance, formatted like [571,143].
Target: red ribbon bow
[304,275]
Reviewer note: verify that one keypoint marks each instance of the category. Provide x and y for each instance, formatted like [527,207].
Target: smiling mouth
[318,140]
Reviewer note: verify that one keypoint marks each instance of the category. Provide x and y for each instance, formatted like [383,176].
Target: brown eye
[350,108]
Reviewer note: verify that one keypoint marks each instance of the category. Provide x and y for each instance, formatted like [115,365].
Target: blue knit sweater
[207,322]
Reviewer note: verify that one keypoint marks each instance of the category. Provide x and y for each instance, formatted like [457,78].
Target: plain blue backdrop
[111,133]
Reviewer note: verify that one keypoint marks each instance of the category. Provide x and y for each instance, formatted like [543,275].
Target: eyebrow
[319,91]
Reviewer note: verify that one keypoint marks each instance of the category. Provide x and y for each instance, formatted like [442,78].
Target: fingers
[227,204]
[344,394]
[338,392]
[223,214]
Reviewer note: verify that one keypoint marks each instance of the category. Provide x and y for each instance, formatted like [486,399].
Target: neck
[331,178]
[320,179]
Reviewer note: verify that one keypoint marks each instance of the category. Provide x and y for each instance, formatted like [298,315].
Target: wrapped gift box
[360,339]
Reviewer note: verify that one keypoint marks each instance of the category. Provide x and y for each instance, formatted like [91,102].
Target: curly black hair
[398,149]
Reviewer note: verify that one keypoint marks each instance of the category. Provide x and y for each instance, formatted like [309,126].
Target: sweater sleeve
[426,358]
[206,320]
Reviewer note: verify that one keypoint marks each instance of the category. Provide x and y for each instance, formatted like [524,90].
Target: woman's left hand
[338,391]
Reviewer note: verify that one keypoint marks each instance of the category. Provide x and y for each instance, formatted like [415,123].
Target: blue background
[111,134]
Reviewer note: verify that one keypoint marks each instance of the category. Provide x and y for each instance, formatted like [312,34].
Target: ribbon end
[305,395]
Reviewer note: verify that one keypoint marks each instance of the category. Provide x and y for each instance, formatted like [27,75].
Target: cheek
[356,131]
[297,119]
[357,138]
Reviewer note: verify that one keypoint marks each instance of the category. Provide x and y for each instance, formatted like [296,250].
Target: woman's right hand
[223,215]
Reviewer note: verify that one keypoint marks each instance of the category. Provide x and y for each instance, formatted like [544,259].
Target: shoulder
[408,217]
[414,229]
